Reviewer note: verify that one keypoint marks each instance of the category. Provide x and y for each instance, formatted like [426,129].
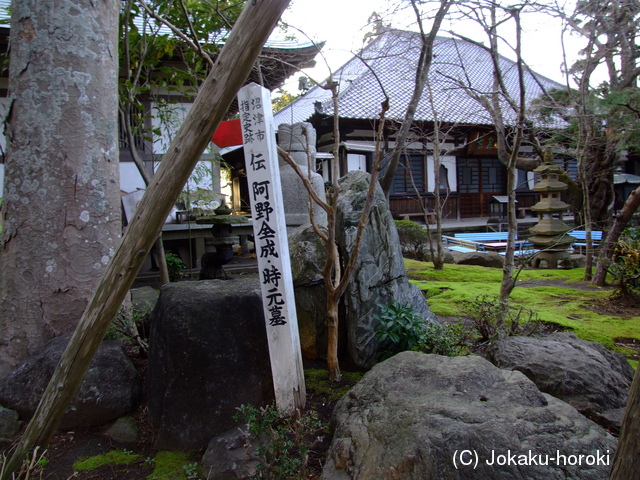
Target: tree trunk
[626,463]
[606,248]
[437,256]
[332,337]
[62,200]
[162,261]
[216,94]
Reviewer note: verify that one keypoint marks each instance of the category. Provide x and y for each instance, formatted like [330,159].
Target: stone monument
[299,140]
[222,241]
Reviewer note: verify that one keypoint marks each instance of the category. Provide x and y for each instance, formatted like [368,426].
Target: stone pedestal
[208,355]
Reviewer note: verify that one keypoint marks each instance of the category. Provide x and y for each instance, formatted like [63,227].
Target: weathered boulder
[576,261]
[110,389]
[428,417]
[380,275]
[587,375]
[483,259]
[9,423]
[610,419]
[229,456]
[124,430]
[208,355]
[448,257]
[308,253]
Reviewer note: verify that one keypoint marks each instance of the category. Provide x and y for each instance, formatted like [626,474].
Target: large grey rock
[584,374]
[208,355]
[230,457]
[483,259]
[9,423]
[308,253]
[380,275]
[110,389]
[124,430]
[411,416]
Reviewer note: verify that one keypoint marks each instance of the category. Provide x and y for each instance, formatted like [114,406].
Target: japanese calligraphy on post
[272,249]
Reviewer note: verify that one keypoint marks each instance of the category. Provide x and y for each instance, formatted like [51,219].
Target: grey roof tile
[390,65]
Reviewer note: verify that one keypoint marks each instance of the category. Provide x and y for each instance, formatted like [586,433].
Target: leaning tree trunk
[606,249]
[61,199]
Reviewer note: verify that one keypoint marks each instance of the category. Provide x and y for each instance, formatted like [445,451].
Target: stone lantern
[223,240]
[550,233]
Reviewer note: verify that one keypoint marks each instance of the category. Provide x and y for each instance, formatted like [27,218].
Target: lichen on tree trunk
[61,203]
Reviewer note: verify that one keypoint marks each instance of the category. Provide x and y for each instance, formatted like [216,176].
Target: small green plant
[398,329]
[192,470]
[280,444]
[443,339]
[128,325]
[31,468]
[413,239]
[175,266]
[492,318]
[174,466]
[624,265]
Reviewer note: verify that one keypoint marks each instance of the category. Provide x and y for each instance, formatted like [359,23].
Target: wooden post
[272,249]
[231,69]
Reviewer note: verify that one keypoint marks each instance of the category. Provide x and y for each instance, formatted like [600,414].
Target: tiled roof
[391,62]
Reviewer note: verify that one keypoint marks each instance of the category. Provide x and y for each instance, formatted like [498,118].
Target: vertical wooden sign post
[272,249]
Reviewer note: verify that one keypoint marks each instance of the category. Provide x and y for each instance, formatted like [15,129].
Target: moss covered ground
[557,296]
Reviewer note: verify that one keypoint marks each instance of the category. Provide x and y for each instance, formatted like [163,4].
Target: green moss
[317,382]
[112,457]
[570,307]
[173,466]
[166,465]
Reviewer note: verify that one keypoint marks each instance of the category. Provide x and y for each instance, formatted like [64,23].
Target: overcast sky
[343,24]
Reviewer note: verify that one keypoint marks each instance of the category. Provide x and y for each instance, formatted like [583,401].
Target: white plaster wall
[130,178]
[168,118]
[356,161]
[449,161]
